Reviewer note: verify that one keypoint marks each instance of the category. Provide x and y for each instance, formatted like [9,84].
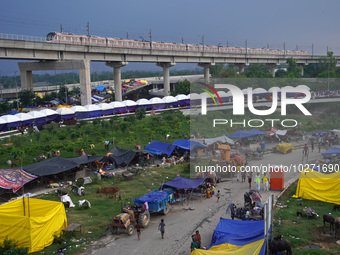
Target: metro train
[67,38]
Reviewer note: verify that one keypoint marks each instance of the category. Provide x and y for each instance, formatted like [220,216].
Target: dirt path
[183,220]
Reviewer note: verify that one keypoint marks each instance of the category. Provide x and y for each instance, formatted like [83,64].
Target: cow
[328,218]
[109,190]
[280,245]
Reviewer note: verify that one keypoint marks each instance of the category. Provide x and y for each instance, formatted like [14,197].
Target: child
[161,227]
[218,195]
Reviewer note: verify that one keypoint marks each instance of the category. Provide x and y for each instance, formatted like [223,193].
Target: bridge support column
[272,69]
[206,67]
[26,80]
[117,78]
[240,68]
[85,83]
[26,69]
[166,75]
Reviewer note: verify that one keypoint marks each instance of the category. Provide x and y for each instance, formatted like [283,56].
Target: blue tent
[236,237]
[158,148]
[243,134]
[332,151]
[237,232]
[188,145]
[183,183]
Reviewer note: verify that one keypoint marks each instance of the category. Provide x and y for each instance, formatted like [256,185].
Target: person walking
[305,150]
[249,179]
[218,195]
[265,182]
[243,174]
[312,145]
[238,173]
[258,181]
[161,227]
[138,230]
[319,147]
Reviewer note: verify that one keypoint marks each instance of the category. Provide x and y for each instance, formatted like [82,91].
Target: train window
[50,37]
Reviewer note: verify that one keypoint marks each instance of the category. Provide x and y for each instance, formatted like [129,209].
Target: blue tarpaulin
[158,148]
[332,151]
[237,232]
[183,183]
[100,88]
[188,145]
[156,199]
[243,134]
[247,236]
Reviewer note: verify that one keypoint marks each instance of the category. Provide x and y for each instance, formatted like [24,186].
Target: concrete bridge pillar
[85,83]
[117,78]
[272,68]
[26,80]
[26,69]
[240,68]
[166,75]
[206,67]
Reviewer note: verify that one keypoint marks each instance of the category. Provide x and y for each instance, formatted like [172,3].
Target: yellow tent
[32,222]
[284,147]
[319,186]
[251,248]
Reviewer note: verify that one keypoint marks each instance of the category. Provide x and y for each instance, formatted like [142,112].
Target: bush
[10,247]
[140,113]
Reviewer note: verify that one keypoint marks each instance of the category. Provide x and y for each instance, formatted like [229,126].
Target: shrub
[10,247]
[140,113]
[96,122]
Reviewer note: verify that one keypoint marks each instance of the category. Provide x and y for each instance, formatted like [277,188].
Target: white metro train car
[67,38]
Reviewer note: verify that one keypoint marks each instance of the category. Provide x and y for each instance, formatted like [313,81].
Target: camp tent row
[58,165]
[89,111]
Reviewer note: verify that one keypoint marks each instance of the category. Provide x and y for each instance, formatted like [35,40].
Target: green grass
[302,231]
[95,221]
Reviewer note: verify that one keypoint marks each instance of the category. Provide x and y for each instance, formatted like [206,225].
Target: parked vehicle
[157,201]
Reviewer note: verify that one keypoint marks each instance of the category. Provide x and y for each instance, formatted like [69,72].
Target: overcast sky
[298,23]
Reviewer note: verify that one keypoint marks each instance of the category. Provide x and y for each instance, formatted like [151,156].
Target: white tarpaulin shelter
[209,141]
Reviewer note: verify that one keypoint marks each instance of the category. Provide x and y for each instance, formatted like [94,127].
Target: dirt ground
[184,219]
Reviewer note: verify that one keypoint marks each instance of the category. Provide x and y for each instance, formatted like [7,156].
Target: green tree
[140,113]
[26,97]
[293,70]
[229,72]
[281,73]
[63,91]
[258,71]
[4,107]
[181,87]
[327,65]
[216,69]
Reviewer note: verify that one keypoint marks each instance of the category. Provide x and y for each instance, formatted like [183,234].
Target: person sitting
[194,243]
[198,237]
